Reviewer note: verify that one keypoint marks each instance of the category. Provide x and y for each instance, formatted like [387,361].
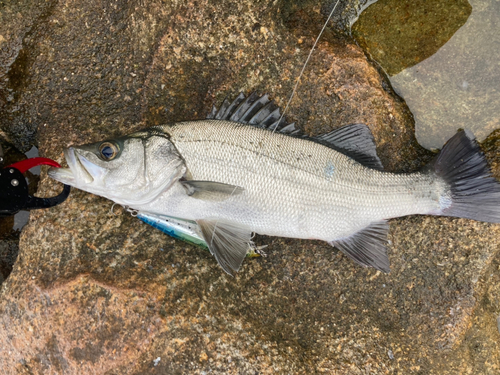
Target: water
[446,67]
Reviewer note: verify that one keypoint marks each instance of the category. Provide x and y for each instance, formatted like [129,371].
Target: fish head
[129,170]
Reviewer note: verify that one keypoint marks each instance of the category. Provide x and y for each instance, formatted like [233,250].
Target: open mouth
[80,170]
[64,175]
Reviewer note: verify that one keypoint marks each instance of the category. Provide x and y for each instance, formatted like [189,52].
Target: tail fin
[474,192]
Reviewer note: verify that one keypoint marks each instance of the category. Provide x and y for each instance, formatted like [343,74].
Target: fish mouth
[81,171]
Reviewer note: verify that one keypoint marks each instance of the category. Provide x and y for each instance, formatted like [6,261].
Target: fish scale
[283,176]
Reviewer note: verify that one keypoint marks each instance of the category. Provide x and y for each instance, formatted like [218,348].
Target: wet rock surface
[388,30]
[98,291]
[442,57]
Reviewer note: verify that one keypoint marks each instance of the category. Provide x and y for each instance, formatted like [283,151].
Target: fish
[245,170]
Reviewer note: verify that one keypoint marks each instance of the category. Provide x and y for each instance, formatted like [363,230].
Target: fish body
[243,171]
[292,187]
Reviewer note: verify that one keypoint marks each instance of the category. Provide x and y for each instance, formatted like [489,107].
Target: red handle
[24,165]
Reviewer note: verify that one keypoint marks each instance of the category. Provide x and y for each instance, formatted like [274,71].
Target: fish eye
[108,150]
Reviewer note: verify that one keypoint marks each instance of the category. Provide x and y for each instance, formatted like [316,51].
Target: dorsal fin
[355,141]
[254,110]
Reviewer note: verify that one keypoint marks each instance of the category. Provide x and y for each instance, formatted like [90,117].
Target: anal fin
[367,247]
[228,242]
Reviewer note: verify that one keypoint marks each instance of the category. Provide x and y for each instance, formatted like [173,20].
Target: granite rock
[96,291]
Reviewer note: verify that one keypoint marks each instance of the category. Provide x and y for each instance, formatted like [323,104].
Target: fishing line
[112,208]
[214,234]
[307,61]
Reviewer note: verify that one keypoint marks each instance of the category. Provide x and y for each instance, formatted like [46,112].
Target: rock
[8,253]
[97,291]
[22,23]
[388,31]
[450,83]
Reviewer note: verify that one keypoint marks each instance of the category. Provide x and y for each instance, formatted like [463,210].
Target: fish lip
[65,175]
[84,166]
[78,171]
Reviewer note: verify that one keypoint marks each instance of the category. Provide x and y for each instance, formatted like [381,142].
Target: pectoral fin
[368,246]
[209,190]
[227,242]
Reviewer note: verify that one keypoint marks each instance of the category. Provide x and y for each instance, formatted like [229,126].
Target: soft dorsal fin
[228,242]
[368,246]
[254,110]
[355,141]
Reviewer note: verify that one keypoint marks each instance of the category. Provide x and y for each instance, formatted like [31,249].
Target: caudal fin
[474,192]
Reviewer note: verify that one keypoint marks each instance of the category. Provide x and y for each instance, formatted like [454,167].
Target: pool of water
[443,58]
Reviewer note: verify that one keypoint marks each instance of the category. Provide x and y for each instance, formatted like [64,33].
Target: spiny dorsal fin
[368,246]
[255,110]
[355,141]
[228,242]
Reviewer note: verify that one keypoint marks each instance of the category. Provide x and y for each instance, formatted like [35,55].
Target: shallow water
[455,81]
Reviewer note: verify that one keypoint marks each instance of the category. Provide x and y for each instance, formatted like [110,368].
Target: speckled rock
[97,291]
[22,23]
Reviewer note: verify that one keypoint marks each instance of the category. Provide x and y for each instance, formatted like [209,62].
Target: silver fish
[244,171]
